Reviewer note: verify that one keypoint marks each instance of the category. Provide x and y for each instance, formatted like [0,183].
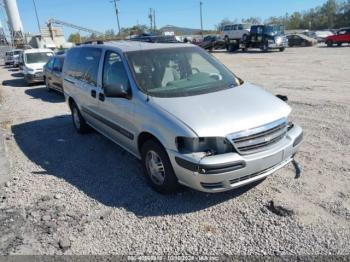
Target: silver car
[175,107]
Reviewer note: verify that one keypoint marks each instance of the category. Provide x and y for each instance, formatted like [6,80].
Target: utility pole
[154,20]
[37,16]
[150,16]
[201,15]
[117,14]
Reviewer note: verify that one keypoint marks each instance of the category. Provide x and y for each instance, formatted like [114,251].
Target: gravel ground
[76,194]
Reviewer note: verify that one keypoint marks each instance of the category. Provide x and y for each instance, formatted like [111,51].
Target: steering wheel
[216,76]
[195,70]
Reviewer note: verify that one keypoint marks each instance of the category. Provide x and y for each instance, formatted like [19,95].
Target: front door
[118,113]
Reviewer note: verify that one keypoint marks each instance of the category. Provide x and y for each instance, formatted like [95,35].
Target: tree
[135,30]
[224,22]
[252,20]
[74,38]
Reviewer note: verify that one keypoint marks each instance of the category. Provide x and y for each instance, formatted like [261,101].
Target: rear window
[82,64]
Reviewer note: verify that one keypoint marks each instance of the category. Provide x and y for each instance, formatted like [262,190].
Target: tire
[47,85]
[78,121]
[227,41]
[158,169]
[265,47]
[329,44]
[339,44]
[282,49]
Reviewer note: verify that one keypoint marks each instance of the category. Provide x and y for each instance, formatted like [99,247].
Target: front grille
[259,139]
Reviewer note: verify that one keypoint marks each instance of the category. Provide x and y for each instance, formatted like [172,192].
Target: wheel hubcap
[76,118]
[155,168]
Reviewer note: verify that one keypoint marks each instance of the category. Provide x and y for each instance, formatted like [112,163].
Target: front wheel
[339,44]
[329,44]
[47,84]
[158,169]
[78,120]
[265,47]
[282,49]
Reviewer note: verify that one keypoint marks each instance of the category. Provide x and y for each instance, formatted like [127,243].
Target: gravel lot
[76,194]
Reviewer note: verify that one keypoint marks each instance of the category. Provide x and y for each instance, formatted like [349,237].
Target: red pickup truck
[343,36]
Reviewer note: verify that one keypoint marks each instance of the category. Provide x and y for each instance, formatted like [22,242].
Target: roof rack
[155,39]
[98,42]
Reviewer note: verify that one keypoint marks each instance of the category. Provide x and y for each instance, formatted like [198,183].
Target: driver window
[114,72]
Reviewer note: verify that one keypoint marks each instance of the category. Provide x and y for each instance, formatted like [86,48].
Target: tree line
[331,15]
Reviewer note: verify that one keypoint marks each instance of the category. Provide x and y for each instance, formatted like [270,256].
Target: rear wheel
[339,44]
[329,44]
[158,169]
[282,49]
[78,120]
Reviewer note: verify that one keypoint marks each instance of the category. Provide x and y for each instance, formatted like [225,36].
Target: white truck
[233,34]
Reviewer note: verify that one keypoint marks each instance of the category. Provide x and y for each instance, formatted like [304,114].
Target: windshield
[179,72]
[274,30]
[33,58]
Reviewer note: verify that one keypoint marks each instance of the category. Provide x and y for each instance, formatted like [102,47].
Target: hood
[36,66]
[222,113]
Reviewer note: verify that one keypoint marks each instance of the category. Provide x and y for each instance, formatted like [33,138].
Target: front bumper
[229,171]
[34,78]
[278,46]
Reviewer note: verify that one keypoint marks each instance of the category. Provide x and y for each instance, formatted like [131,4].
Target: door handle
[101,97]
[93,93]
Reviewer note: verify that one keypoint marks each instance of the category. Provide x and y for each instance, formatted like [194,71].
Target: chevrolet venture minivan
[181,112]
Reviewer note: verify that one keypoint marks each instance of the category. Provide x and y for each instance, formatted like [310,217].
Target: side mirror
[240,81]
[283,98]
[118,90]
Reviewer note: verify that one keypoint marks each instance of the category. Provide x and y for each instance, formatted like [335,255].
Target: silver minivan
[180,111]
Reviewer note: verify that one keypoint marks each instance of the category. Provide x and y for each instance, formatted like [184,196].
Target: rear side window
[71,63]
[83,64]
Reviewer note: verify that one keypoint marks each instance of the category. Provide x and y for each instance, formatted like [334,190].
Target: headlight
[30,70]
[278,40]
[208,145]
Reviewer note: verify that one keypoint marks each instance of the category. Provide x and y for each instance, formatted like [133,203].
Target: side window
[114,71]
[57,65]
[240,27]
[50,63]
[89,62]
[235,27]
[71,63]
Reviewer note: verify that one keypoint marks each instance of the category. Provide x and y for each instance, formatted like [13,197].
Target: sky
[100,15]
